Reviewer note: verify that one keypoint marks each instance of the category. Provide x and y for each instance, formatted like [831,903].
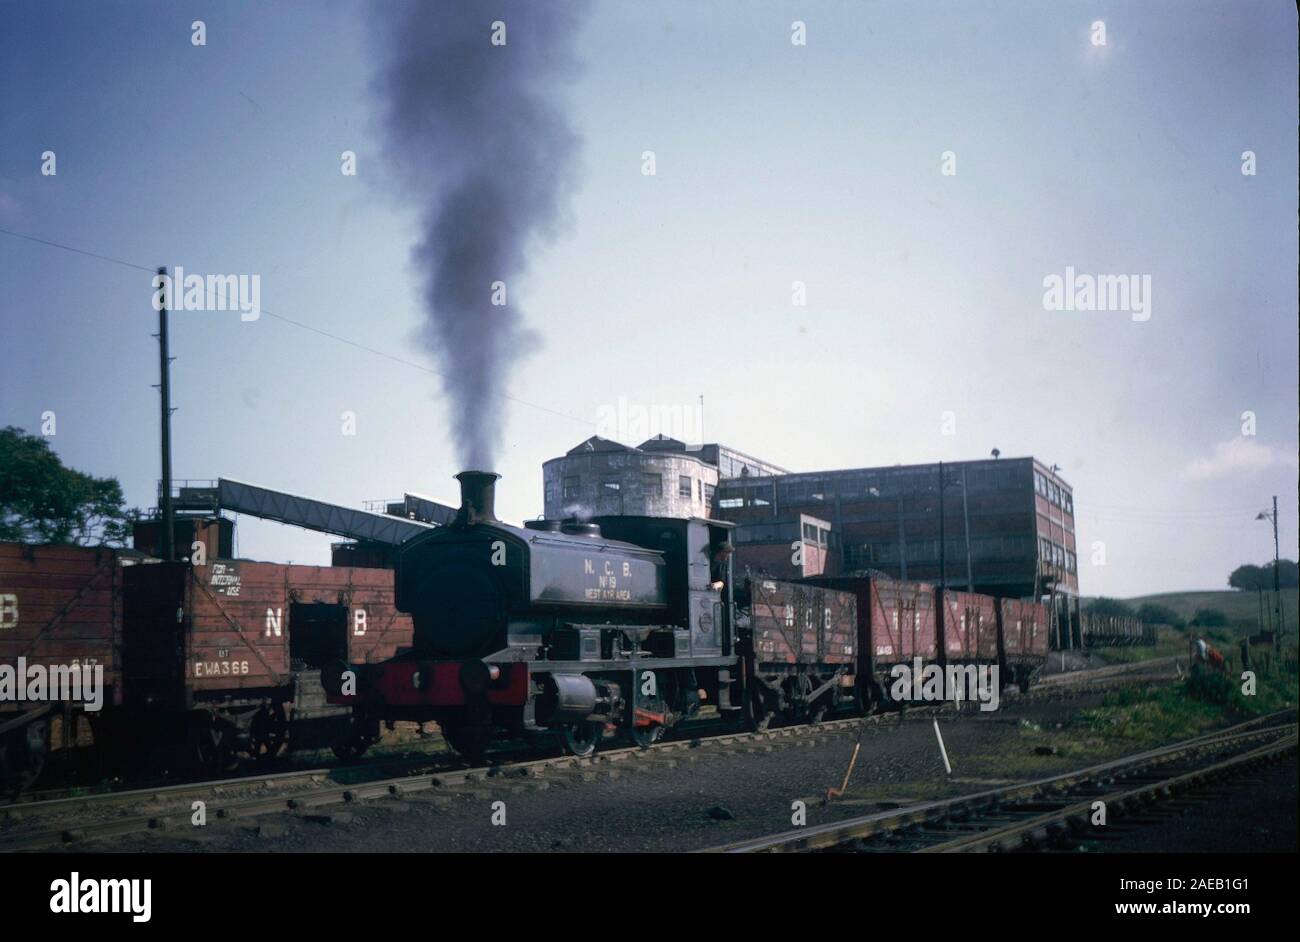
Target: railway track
[1116,671]
[1050,813]
[115,814]
[49,803]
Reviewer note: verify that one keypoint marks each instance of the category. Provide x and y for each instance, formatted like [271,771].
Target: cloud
[1240,455]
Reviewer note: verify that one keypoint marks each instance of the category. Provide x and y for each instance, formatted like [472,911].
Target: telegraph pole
[965,516]
[902,537]
[943,559]
[166,538]
[1277,586]
[1277,576]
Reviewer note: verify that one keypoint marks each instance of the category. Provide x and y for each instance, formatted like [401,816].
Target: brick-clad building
[1008,524]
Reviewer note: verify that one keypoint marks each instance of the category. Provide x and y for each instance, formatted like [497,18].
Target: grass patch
[1204,701]
[1129,720]
[1037,752]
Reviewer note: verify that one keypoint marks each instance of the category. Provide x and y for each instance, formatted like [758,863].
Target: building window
[653,485]
[684,485]
[709,490]
[728,502]
[611,485]
[857,556]
[572,488]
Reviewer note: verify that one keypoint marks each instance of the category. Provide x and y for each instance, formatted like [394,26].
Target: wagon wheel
[647,736]
[581,739]
[469,740]
[814,711]
[757,715]
[796,699]
[22,757]
[864,698]
[268,732]
[211,745]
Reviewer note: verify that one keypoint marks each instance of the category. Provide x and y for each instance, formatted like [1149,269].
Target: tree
[1249,577]
[1288,574]
[42,501]
[1261,577]
[1209,618]
[1150,613]
[1109,608]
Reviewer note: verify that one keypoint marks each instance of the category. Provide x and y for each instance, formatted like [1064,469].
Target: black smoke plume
[476,135]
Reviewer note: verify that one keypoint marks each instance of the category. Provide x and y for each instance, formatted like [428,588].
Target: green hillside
[1241,608]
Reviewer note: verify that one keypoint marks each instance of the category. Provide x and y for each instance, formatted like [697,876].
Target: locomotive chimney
[477,497]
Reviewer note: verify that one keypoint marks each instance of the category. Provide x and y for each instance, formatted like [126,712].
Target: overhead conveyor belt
[315,514]
[428,510]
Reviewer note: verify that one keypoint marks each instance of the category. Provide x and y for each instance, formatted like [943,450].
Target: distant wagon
[900,622]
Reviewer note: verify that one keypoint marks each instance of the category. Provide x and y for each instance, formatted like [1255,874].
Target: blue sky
[775,163]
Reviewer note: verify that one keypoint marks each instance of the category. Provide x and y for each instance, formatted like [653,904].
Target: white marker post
[942,751]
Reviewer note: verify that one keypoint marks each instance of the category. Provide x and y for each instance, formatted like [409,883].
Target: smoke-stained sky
[774,164]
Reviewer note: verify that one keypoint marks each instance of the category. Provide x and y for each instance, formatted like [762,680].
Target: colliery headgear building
[661,477]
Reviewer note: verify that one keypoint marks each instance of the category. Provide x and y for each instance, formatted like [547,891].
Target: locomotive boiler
[570,627]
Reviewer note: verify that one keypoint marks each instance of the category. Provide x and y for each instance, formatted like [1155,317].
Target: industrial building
[661,477]
[1007,525]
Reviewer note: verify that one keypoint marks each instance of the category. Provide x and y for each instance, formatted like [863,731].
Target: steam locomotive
[563,627]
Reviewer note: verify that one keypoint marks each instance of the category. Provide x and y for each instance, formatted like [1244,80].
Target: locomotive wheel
[469,740]
[268,732]
[356,739]
[647,736]
[581,739]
